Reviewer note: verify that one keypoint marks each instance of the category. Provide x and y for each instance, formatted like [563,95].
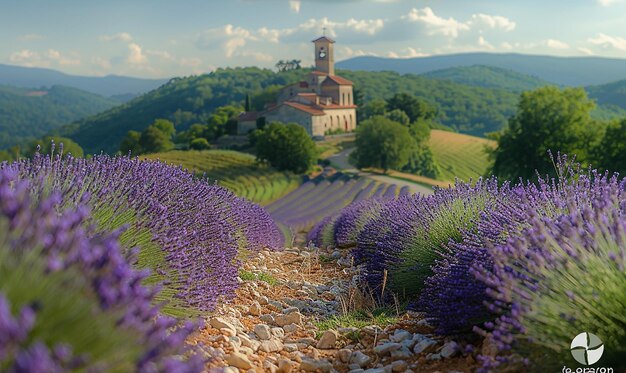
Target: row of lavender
[320,197]
[79,239]
[527,266]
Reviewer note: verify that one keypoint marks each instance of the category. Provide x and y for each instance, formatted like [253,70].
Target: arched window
[338,122]
[343,98]
[331,121]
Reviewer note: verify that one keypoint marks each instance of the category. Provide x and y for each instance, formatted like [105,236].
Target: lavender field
[525,266]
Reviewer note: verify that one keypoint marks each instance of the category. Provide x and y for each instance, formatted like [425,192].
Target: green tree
[217,123]
[286,147]
[372,109]
[546,119]
[399,116]
[153,140]
[199,144]
[610,153]
[165,126]
[130,143]
[414,107]
[69,146]
[383,143]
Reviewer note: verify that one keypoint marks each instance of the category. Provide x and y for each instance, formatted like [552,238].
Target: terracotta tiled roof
[324,38]
[313,110]
[307,94]
[315,72]
[337,79]
[248,116]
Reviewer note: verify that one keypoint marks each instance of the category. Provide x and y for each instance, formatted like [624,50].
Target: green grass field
[459,156]
[236,171]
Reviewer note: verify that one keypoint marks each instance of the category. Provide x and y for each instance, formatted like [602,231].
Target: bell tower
[324,55]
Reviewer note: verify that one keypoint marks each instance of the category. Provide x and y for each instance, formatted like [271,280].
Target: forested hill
[611,93]
[469,109]
[26,114]
[489,77]
[571,71]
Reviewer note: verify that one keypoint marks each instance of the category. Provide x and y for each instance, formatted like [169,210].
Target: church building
[322,103]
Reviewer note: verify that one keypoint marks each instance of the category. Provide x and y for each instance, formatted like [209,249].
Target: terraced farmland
[460,156]
[236,171]
[299,210]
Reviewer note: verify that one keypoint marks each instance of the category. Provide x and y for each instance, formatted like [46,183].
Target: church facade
[322,103]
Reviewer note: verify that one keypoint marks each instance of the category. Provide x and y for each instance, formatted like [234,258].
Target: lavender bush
[68,297]
[189,232]
[563,274]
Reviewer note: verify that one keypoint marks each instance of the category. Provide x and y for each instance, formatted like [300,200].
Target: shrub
[69,299]
[286,147]
[189,232]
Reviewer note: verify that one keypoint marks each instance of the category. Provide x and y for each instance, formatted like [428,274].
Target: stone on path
[238,360]
[328,340]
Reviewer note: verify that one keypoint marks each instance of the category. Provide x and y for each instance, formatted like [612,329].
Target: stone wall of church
[287,114]
[344,119]
[243,127]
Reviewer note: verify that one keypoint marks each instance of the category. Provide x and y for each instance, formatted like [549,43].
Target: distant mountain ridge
[107,86]
[568,71]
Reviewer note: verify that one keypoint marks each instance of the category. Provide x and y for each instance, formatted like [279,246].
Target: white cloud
[101,63]
[452,28]
[164,55]
[506,45]
[436,25]
[586,51]
[135,55]
[609,42]
[484,44]
[258,56]
[493,22]
[556,44]
[606,3]
[294,5]
[48,58]
[229,38]
[407,53]
[121,36]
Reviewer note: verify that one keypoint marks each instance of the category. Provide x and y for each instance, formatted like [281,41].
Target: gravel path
[273,323]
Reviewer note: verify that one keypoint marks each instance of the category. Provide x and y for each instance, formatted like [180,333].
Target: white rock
[255,309]
[386,348]
[271,346]
[285,366]
[310,365]
[262,331]
[269,367]
[328,340]
[222,323]
[344,355]
[230,370]
[291,318]
[238,360]
[290,347]
[449,349]
[290,310]
[290,328]
[423,345]
[400,335]
[278,333]
[360,359]
[268,319]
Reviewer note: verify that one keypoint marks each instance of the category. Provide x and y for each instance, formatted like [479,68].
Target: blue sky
[159,38]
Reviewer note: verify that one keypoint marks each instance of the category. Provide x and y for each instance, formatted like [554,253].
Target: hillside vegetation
[185,101]
[460,156]
[27,114]
[489,77]
[611,93]
[236,171]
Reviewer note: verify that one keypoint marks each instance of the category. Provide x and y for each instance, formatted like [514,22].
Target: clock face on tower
[322,53]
